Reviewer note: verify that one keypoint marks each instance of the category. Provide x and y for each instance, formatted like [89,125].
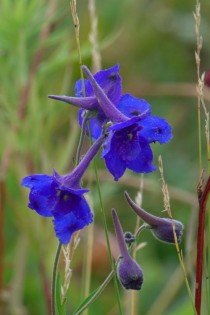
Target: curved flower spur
[162,228]
[110,81]
[129,272]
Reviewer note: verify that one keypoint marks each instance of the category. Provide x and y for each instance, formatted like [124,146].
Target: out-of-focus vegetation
[154,43]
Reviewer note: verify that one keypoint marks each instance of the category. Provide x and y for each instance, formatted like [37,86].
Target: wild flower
[162,228]
[133,129]
[61,197]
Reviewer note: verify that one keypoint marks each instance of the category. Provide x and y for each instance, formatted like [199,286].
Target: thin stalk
[197,18]
[138,229]
[208,260]
[54,277]
[107,239]
[73,6]
[87,264]
[203,197]
[166,198]
[81,139]
[206,272]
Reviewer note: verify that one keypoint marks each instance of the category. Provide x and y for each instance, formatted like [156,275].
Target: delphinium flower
[129,272]
[61,197]
[162,228]
[110,81]
[133,129]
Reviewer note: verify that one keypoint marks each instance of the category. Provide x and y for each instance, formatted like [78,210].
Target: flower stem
[200,245]
[81,138]
[107,240]
[54,277]
[73,6]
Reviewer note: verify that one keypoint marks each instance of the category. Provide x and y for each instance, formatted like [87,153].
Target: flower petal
[156,129]
[43,193]
[79,216]
[143,161]
[108,79]
[113,161]
[133,106]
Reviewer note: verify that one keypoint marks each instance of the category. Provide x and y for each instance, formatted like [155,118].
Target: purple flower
[110,81]
[162,228]
[133,129]
[61,197]
[129,272]
[133,126]
[126,148]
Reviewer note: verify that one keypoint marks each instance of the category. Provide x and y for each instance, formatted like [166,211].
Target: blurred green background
[154,43]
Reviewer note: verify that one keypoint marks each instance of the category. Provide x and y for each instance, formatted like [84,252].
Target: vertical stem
[2,204]
[54,278]
[96,57]
[73,6]
[200,245]
[139,202]
[197,59]
[107,240]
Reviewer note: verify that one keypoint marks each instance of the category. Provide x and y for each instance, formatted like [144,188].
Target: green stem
[81,138]
[107,240]
[54,277]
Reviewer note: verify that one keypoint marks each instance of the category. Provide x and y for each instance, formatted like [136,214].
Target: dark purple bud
[129,238]
[129,272]
[162,228]
[165,233]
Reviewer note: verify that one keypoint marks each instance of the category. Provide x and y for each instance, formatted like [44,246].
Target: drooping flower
[129,272]
[110,81]
[162,228]
[61,197]
[133,129]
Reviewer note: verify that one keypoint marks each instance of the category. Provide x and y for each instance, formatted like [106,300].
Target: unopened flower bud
[129,238]
[129,272]
[165,230]
[162,228]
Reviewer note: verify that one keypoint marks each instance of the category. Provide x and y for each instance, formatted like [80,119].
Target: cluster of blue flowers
[124,128]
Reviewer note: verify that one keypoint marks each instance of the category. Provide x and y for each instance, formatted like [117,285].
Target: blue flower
[133,126]
[133,129]
[126,148]
[49,197]
[61,197]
